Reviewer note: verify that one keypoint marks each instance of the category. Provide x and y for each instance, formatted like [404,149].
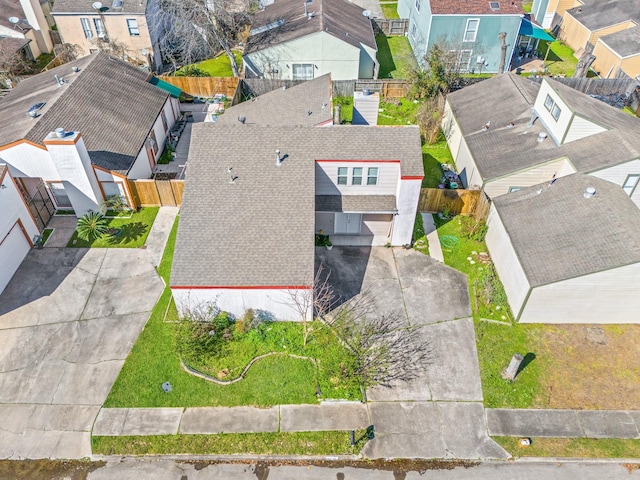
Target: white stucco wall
[506,261]
[277,302]
[26,160]
[605,297]
[618,175]
[407,198]
[327,178]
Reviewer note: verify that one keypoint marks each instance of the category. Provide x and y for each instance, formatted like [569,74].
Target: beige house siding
[606,62]
[527,178]
[619,174]
[577,36]
[581,128]
[70,28]
[605,297]
[631,66]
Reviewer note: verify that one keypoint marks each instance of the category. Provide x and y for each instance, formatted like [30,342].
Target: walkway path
[159,234]
[435,249]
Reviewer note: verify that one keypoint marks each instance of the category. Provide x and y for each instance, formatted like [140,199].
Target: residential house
[23,29]
[568,251]
[125,28]
[468,27]
[510,132]
[17,227]
[83,129]
[583,25]
[548,13]
[296,40]
[618,54]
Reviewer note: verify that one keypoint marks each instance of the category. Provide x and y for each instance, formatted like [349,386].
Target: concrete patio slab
[608,424]
[64,226]
[533,423]
[464,432]
[435,249]
[137,421]
[212,420]
[324,417]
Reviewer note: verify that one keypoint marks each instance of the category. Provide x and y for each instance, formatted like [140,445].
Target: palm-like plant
[91,226]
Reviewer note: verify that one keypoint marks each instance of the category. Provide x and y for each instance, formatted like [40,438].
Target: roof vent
[14,20]
[541,137]
[60,133]
[366,13]
[242,119]
[75,69]
[494,5]
[34,109]
[59,81]
[589,192]
[278,158]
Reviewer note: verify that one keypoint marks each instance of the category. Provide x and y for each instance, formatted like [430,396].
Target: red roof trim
[241,287]
[411,177]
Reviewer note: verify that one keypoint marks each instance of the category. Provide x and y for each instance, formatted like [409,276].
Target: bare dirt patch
[589,367]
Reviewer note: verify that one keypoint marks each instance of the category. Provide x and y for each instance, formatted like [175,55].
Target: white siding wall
[328,53]
[466,166]
[604,297]
[327,178]
[618,175]
[236,301]
[25,160]
[534,176]
[556,128]
[375,227]
[506,262]
[451,129]
[581,128]
[141,168]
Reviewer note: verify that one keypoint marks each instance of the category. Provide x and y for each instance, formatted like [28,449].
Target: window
[471,30]
[356,177]
[372,176]
[414,31]
[343,172]
[99,28]
[60,195]
[555,112]
[461,59]
[114,189]
[132,25]
[86,27]
[163,116]
[630,184]
[494,5]
[548,103]
[303,71]
[418,6]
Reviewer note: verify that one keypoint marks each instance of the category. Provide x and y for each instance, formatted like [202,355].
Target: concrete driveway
[68,319]
[440,414]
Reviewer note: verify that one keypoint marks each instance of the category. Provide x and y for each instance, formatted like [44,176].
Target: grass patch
[270,381]
[573,447]
[390,10]
[346,108]
[43,60]
[46,234]
[219,66]
[526,6]
[629,111]
[419,237]
[560,60]
[134,231]
[297,443]
[399,112]
[395,56]
[432,156]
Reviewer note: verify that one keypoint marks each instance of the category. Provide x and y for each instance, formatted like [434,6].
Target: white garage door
[13,249]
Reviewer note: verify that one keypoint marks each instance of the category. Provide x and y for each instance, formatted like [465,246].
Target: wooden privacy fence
[391,26]
[157,193]
[458,202]
[386,88]
[205,86]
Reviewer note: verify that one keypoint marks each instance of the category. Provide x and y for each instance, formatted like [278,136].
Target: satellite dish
[367,13]
[14,20]
[97,5]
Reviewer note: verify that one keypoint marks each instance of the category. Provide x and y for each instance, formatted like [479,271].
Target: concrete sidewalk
[159,234]
[564,423]
[435,249]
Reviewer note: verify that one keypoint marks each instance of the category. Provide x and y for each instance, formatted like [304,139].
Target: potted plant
[328,243]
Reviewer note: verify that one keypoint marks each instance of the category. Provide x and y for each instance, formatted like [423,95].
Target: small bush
[474,229]
[244,325]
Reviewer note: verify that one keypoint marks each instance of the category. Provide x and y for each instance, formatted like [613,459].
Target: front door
[347,223]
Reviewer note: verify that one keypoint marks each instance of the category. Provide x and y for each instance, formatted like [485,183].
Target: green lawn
[432,157]
[299,443]
[346,108]
[270,381]
[526,6]
[560,60]
[390,10]
[133,231]
[395,56]
[219,66]
[574,448]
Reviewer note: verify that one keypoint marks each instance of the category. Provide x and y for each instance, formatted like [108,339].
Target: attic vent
[267,27]
[494,5]
[33,110]
[117,4]
[589,192]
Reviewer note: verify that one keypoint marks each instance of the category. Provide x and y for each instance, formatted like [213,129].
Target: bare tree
[503,51]
[440,74]
[429,118]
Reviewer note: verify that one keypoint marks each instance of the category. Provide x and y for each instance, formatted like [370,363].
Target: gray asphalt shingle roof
[340,18]
[85,6]
[356,203]
[259,231]
[109,102]
[308,103]
[502,150]
[625,43]
[599,14]
[558,234]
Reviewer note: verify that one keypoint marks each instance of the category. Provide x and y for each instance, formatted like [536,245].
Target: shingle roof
[356,203]
[11,8]
[9,47]
[502,151]
[625,43]
[596,15]
[558,234]
[260,230]
[475,7]
[109,102]
[85,6]
[287,107]
[340,18]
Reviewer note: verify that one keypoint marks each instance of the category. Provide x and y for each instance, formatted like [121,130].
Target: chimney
[278,158]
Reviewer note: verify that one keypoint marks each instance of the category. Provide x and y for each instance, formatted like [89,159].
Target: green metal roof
[167,87]
[528,29]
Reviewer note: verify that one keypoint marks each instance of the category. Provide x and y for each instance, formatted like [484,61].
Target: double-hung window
[555,111]
[343,175]
[86,27]
[132,25]
[356,177]
[303,71]
[100,31]
[630,184]
[413,31]
[471,30]
[372,176]
[548,102]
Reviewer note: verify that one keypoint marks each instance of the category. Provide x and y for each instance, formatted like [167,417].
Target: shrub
[474,229]
[91,226]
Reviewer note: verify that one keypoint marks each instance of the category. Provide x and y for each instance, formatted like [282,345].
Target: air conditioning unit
[102,36]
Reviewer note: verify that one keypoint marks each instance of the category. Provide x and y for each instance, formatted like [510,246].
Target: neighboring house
[618,53]
[296,40]
[468,27]
[509,132]
[548,13]
[17,227]
[132,26]
[566,254]
[23,29]
[583,25]
[111,124]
